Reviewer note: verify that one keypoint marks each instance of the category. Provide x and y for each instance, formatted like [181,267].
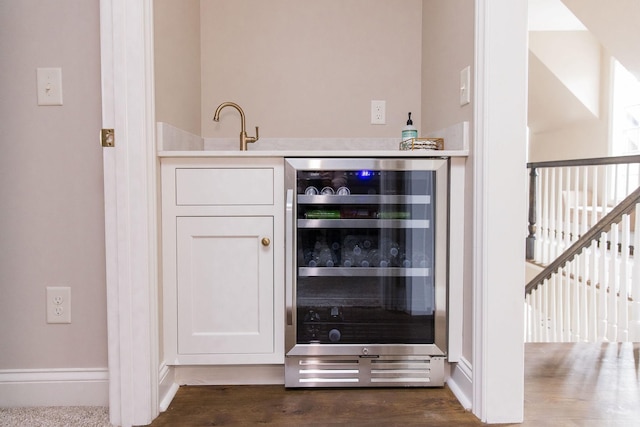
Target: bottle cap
[409,122]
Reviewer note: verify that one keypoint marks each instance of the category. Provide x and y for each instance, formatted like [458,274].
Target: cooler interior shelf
[363,223]
[364,199]
[362,272]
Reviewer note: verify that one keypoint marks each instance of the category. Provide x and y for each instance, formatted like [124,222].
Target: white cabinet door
[225,286]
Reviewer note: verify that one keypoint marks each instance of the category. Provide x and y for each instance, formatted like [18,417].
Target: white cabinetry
[223,259]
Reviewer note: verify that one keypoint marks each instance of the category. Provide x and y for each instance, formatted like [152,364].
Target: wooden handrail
[596,161]
[624,207]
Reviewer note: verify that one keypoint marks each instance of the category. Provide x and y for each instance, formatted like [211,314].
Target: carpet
[55,416]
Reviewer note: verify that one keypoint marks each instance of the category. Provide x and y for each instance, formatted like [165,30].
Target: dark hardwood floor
[591,385]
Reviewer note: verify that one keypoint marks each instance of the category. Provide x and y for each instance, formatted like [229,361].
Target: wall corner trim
[460,382]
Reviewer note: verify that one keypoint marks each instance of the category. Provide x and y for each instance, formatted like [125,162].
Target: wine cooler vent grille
[357,371]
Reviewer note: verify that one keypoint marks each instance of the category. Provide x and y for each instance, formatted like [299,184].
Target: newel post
[531,238]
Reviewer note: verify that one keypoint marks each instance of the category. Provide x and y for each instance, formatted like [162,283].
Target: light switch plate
[465,86]
[49,85]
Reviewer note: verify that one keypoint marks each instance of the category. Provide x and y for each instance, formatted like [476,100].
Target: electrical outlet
[58,304]
[378,112]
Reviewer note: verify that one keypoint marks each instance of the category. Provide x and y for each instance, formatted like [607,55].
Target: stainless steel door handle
[289,268]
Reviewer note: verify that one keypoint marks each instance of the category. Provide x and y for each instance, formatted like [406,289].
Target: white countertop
[314,153]
[174,142]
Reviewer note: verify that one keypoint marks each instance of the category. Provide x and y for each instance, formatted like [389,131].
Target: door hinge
[107,137]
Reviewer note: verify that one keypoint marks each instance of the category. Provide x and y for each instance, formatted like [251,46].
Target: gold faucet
[244,139]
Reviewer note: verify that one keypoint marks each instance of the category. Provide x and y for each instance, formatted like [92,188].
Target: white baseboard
[229,375]
[54,387]
[460,382]
[168,387]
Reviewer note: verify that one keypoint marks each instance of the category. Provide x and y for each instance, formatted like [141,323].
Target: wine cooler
[366,272]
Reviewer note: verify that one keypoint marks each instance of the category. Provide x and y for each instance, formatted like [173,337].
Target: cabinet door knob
[266,241]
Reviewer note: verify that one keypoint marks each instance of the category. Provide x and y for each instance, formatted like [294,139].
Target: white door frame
[131,207]
[499,158]
[126,32]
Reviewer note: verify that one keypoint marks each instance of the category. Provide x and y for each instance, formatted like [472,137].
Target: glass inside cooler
[364,182]
[365,310]
[365,257]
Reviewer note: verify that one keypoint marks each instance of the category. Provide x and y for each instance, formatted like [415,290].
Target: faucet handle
[253,138]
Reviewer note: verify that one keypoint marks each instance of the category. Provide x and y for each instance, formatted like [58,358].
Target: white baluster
[626,181]
[532,316]
[545,312]
[567,309]
[539,233]
[584,206]
[584,296]
[553,207]
[559,306]
[605,190]
[593,291]
[553,311]
[623,306]
[567,212]
[525,312]
[529,315]
[539,319]
[559,215]
[575,218]
[546,199]
[634,324]
[603,325]
[575,299]
[594,196]
[612,333]
[617,194]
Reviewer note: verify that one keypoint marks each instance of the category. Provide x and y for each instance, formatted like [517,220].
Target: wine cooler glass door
[368,243]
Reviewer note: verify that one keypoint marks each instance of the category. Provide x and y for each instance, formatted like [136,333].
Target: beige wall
[308,68]
[177,63]
[448,46]
[52,220]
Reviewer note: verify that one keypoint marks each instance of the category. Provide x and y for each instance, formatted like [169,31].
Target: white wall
[561,127]
[615,24]
[448,47]
[574,58]
[52,220]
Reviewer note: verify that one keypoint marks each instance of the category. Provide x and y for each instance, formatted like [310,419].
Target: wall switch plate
[465,86]
[49,83]
[378,112]
[58,304]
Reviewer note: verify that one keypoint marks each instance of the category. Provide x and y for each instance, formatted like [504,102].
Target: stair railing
[567,197]
[587,235]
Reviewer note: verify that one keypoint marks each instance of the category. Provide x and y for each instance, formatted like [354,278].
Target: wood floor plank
[274,405]
[582,384]
[566,385]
